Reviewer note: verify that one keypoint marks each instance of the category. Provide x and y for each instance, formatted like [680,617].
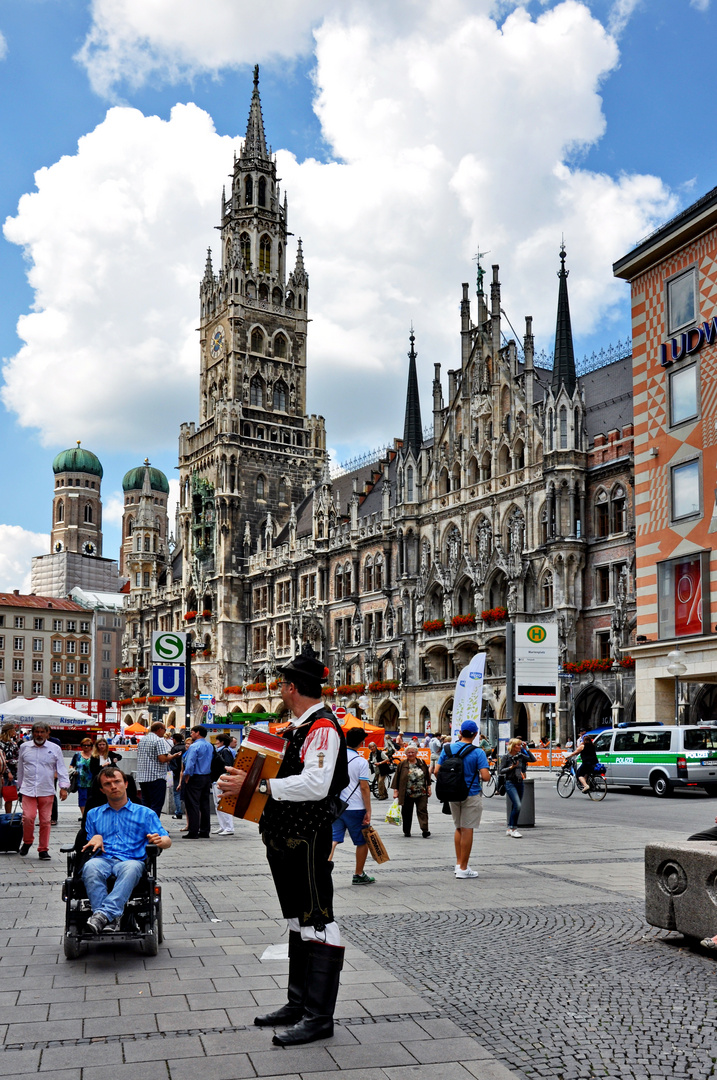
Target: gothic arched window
[130,526]
[280,396]
[262,192]
[60,511]
[265,255]
[577,441]
[280,346]
[618,509]
[138,543]
[248,191]
[546,591]
[146,543]
[257,342]
[339,583]
[602,515]
[563,428]
[245,248]
[256,392]
[282,491]
[549,429]
[260,487]
[289,300]
[88,514]
[409,484]
[378,573]
[368,575]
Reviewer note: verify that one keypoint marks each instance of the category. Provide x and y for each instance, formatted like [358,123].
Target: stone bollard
[681,887]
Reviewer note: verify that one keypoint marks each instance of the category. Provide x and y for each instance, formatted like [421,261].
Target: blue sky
[406,135]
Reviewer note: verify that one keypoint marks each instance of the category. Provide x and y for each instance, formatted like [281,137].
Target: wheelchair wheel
[598,788]
[160,924]
[71,945]
[151,941]
[489,787]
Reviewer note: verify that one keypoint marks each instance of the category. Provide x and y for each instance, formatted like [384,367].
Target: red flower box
[232,689]
[206,614]
[328,691]
[495,614]
[190,615]
[463,622]
[260,687]
[583,667]
[433,626]
[349,689]
[385,684]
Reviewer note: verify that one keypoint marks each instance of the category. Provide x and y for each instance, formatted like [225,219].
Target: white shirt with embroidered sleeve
[319,755]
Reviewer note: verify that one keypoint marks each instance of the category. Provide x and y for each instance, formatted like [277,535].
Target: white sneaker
[468,873]
[516,834]
[508,832]
[217,832]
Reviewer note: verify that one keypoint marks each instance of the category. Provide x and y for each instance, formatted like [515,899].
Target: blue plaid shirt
[124,832]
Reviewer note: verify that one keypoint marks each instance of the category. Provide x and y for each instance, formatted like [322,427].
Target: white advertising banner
[468,698]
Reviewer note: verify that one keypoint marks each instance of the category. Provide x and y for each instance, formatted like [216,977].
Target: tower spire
[412,428]
[255,141]
[564,357]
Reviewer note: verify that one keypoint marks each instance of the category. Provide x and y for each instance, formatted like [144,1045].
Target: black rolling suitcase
[10,831]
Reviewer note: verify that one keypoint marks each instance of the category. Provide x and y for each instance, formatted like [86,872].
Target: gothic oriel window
[602,515]
[378,573]
[260,487]
[248,191]
[618,510]
[262,192]
[546,591]
[368,575]
[257,342]
[563,428]
[280,346]
[339,583]
[577,440]
[245,248]
[282,491]
[289,301]
[409,484]
[256,392]
[265,255]
[280,396]
[549,429]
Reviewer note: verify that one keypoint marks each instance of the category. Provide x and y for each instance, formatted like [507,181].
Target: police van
[662,757]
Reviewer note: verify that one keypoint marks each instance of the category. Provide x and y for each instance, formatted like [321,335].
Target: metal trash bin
[527,806]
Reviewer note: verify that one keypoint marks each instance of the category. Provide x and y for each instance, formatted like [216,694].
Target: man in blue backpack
[461,788]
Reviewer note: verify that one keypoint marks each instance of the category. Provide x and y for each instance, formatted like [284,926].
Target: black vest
[283,820]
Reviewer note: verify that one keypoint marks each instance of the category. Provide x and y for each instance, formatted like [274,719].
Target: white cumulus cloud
[17,547]
[3,46]
[448,130]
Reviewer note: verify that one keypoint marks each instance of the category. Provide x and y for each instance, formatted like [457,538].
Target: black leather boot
[322,987]
[294,1008]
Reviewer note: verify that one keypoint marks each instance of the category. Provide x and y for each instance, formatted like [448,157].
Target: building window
[105,672]
[106,638]
[38,624]
[248,191]
[55,689]
[56,667]
[18,663]
[145,579]
[257,343]
[260,487]
[37,688]
[85,648]
[378,573]
[116,621]
[602,642]
[19,622]
[308,586]
[37,644]
[683,395]
[57,646]
[83,689]
[138,579]
[2,642]
[88,514]
[683,595]
[409,484]
[619,517]
[265,255]
[17,687]
[84,628]
[70,647]
[280,396]
[2,620]
[602,584]
[70,667]
[245,249]
[85,670]
[563,428]
[256,391]
[18,644]
[546,595]
[368,575]
[602,515]
[681,300]
[106,655]
[37,665]
[57,624]
[70,689]
[685,484]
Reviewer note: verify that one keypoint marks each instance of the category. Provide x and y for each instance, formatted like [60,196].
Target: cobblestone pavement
[565,899]
[561,992]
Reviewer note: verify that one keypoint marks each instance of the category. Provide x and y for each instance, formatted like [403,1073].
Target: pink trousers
[31,806]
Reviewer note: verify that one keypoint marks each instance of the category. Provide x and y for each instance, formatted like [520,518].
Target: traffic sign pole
[188,686]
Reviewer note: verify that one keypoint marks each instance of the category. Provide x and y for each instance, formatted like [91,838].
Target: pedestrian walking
[412,788]
[10,748]
[175,768]
[435,746]
[465,795]
[379,763]
[38,762]
[357,815]
[512,769]
[80,766]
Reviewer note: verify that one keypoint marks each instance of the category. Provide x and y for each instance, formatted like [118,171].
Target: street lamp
[677,667]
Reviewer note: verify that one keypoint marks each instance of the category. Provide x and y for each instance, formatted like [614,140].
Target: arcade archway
[593,708]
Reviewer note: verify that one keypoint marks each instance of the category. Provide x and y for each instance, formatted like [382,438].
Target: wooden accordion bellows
[260,756]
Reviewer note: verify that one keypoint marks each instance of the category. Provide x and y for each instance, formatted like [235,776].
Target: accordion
[259,756]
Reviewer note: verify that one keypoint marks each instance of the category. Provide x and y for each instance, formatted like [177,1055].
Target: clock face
[58,546]
[88,548]
[216,345]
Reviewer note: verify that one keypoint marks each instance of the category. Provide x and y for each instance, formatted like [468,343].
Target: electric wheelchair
[142,916]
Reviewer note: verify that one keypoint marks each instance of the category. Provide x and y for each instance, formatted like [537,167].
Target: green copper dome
[134,480]
[78,460]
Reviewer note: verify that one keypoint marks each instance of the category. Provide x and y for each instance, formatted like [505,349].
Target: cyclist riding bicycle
[585,750]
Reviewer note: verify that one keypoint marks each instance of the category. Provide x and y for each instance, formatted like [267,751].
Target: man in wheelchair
[118,836]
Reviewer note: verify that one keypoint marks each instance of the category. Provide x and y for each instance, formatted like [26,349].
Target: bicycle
[490,786]
[567,782]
